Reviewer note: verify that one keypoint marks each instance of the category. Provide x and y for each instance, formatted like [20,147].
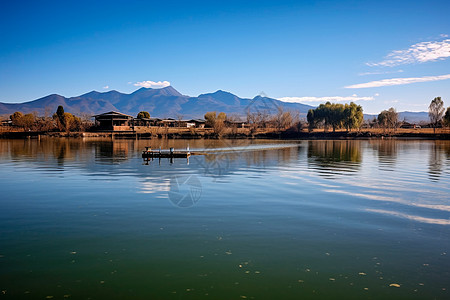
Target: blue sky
[379,53]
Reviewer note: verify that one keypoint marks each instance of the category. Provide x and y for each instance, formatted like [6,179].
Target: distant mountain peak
[165,91]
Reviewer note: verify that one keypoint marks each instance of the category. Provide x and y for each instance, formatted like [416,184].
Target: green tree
[436,111]
[388,119]
[59,117]
[353,116]
[311,120]
[143,115]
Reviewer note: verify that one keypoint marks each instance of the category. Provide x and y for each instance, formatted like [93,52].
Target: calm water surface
[88,219]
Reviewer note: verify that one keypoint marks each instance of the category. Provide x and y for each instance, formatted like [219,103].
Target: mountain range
[163,103]
[166,103]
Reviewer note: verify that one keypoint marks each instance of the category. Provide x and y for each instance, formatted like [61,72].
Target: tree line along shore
[328,120]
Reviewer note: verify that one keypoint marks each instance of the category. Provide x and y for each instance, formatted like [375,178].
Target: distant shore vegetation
[327,117]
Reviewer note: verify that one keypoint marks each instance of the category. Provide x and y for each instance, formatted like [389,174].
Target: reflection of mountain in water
[334,157]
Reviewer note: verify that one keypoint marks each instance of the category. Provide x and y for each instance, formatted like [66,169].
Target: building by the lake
[116,121]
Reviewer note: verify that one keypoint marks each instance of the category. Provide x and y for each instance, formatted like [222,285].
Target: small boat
[171,153]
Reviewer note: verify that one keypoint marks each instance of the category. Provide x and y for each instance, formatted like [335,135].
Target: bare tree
[436,111]
[179,119]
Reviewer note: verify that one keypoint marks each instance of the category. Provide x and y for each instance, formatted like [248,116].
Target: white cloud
[153,84]
[380,72]
[397,81]
[376,94]
[417,53]
[325,99]
[106,87]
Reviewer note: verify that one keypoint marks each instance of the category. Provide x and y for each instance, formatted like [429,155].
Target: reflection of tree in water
[112,150]
[387,152]
[46,149]
[445,147]
[436,162]
[334,157]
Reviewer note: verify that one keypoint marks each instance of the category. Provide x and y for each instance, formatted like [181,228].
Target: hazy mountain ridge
[407,116]
[166,102]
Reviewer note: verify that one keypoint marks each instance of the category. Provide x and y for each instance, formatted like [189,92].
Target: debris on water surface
[395,285]
[362,273]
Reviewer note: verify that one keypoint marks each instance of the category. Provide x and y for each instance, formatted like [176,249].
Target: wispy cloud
[417,53]
[397,81]
[153,84]
[106,87]
[380,72]
[353,98]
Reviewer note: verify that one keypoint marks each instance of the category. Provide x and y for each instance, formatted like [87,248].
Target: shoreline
[318,135]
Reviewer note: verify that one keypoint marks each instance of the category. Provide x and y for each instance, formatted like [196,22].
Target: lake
[252,219]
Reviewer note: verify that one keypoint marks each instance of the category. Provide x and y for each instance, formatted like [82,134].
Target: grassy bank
[198,133]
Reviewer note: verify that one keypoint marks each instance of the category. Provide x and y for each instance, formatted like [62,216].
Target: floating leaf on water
[332,279]
[228,252]
[366,289]
[421,284]
[73,252]
[301,281]
[49,297]
[247,272]
[240,266]
[362,273]
[307,270]
[257,272]
[328,254]
[395,285]
[244,297]
[102,282]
